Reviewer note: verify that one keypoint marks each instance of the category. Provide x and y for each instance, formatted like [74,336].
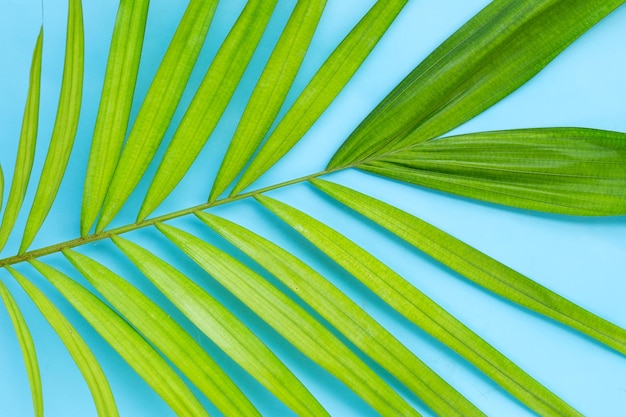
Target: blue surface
[583,259]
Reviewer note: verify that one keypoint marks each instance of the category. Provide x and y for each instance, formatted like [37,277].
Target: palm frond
[233,308]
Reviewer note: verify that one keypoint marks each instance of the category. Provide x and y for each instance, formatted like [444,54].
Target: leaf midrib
[106,234]
[96,237]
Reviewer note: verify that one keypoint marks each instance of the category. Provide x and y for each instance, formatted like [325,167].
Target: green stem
[37,253]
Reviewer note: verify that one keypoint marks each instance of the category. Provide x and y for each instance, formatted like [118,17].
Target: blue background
[583,259]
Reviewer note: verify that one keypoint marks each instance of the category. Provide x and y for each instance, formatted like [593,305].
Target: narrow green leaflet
[65,125]
[166,335]
[76,346]
[270,91]
[158,108]
[292,322]
[135,350]
[347,317]
[567,171]
[492,55]
[26,148]
[208,105]
[323,88]
[27,346]
[478,267]
[115,105]
[421,310]
[225,329]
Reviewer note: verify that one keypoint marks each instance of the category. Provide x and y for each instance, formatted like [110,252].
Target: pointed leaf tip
[26,147]
[477,266]
[65,126]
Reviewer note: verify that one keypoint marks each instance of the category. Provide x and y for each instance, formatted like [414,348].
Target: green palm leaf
[569,171]
[422,311]
[85,360]
[65,126]
[129,343]
[225,329]
[323,88]
[166,335]
[26,152]
[115,105]
[292,322]
[500,49]
[348,317]
[477,266]
[270,93]
[156,112]
[271,305]
[210,101]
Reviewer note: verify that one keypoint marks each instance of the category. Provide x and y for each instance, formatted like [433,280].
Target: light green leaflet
[65,126]
[493,54]
[270,91]
[327,83]
[157,109]
[115,105]
[347,317]
[292,322]
[76,346]
[27,346]
[135,350]
[478,267]
[421,310]
[225,329]
[568,171]
[166,335]
[26,150]
[208,105]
